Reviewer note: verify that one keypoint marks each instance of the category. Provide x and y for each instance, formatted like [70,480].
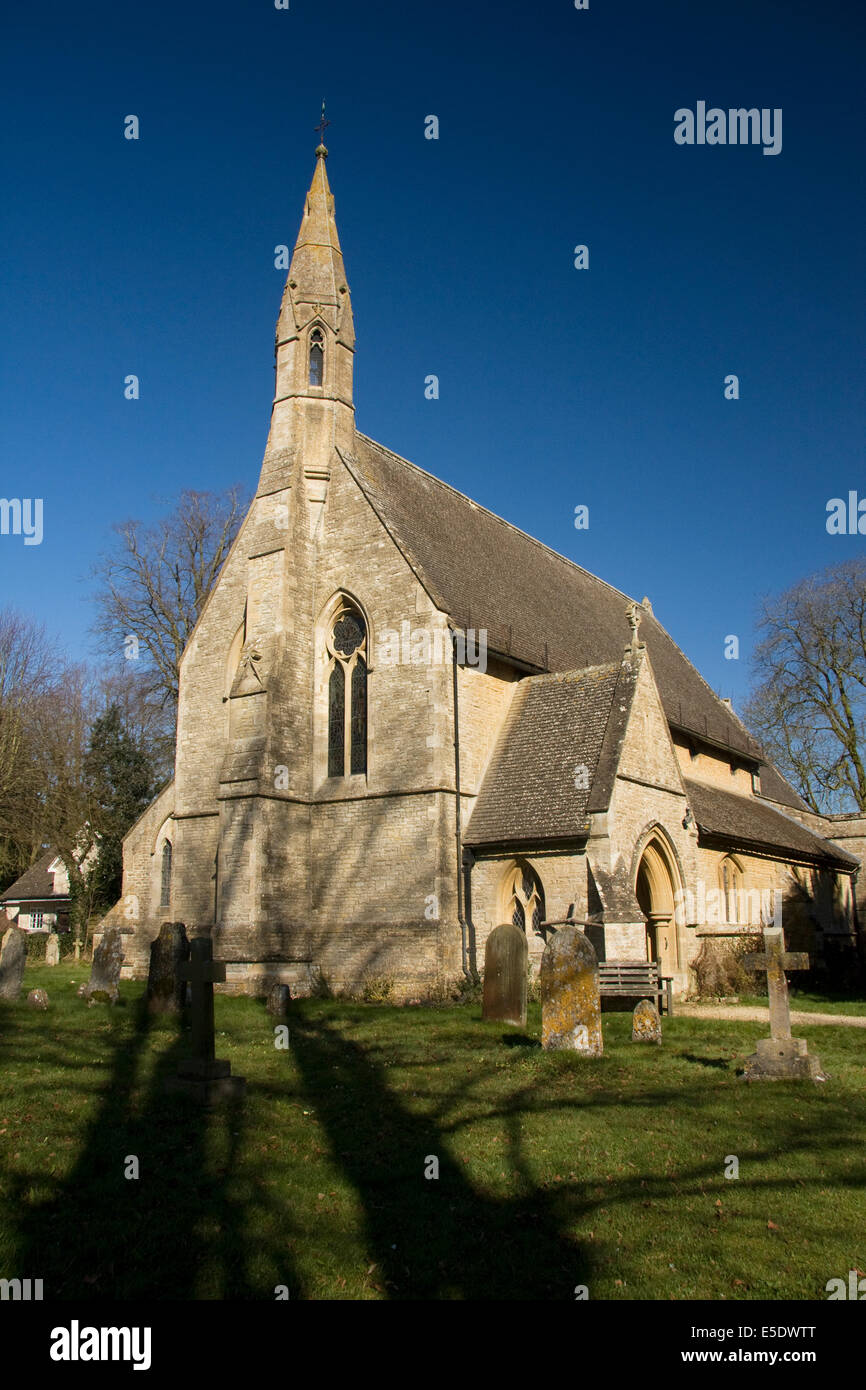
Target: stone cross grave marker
[779,1057]
[203,1077]
[506,956]
[13,958]
[570,1002]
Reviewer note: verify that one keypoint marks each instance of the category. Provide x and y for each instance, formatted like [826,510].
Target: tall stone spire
[316,308]
[313,413]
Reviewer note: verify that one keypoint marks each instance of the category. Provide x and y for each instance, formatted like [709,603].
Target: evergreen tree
[121,780]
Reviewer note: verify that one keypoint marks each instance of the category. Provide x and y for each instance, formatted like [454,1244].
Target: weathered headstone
[105,971]
[13,958]
[570,1003]
[279,999]
[646,1026]
[52,950]
[203,1078]
[38,999]
[780,1057]
[506,957]
[165,989]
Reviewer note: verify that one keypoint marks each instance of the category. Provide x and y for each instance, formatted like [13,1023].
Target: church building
[403,721]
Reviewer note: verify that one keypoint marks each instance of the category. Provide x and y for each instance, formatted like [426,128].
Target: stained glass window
[527,898]
[337,722]
[348,634]
[359,717]
[538,910]
[165,887]
[347,706]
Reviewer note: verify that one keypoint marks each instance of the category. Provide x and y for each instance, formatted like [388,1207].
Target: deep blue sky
[558,386]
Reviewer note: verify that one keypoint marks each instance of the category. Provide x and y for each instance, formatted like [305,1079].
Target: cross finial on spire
[320,129]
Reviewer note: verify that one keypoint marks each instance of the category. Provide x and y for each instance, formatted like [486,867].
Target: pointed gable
[540,778]
[646,751]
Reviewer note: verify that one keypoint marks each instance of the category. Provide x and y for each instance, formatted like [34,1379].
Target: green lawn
[806,1001]
[555,1171]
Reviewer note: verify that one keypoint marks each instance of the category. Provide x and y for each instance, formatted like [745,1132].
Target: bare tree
[61,799]
[29,668]
[154,582]
[808,705]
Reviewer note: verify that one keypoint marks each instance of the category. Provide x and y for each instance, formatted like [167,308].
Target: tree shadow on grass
[178,1231]
[432,1238]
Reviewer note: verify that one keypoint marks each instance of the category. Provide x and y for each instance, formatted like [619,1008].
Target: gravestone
[279,999]
[166,991]
[646,1026]
[780,1057]
[52,950]
[203,1078]
[105,971]
[506,958]
[570,1003]
[38,999]
[13,958]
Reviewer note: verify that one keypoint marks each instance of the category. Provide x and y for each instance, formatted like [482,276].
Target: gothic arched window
[317,358]
[731,877]
[525,898]
[165,885]
[347,694]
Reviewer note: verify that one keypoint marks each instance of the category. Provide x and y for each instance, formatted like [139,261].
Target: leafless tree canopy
[49,795]
[45,711]
[809,702]
[28,670]
[153,583]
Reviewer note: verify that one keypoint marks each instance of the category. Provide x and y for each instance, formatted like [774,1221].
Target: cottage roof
[35,883]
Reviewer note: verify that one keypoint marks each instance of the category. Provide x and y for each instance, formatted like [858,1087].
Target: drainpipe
[458,833]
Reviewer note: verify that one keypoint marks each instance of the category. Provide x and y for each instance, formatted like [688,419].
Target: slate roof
[752,821]
[35,883]
[556,724]
[539,608]
[774,786]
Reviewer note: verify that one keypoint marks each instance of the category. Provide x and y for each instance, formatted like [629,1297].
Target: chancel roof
[539,609]
[751,822]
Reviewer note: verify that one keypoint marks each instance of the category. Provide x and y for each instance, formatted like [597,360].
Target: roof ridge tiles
[479,506]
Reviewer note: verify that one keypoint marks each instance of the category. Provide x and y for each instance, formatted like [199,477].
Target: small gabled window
[317,357]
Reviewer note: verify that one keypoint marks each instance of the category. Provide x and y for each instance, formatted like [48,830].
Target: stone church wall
[137,913]
[483,701]
[563,878]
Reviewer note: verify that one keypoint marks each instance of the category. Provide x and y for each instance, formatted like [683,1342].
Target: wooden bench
[636,979]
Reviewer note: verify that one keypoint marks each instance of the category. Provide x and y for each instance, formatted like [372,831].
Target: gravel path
[757,1015]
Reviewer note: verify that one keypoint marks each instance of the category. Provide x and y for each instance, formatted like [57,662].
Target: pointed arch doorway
[654,889]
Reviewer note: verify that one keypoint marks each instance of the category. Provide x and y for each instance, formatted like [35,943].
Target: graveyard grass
[554,1170]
